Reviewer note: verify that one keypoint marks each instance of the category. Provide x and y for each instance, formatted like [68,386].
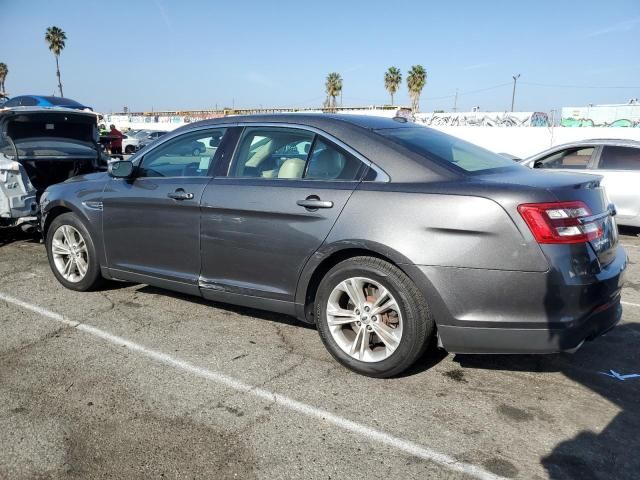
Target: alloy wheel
[364,319]
[70,254]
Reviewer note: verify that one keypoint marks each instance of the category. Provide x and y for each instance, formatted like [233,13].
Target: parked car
[616,161]
[130,143]
[44,101]
[151,135]
[40,147]
[382,233]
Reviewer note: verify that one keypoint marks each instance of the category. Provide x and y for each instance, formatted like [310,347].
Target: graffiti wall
[484,119]
[627,115]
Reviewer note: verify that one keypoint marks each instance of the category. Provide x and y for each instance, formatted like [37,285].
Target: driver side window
[572,159]
[189,155]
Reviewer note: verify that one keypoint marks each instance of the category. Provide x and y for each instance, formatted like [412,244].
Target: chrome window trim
[381,175]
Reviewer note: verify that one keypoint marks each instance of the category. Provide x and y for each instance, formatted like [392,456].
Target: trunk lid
[572,187]
[52,144]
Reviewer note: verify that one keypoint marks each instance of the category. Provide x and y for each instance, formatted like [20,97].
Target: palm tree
[392,80]
[4,71]
[333,87]
[56,37]
[416,80]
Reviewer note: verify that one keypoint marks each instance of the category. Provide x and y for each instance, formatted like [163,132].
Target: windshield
[446,149]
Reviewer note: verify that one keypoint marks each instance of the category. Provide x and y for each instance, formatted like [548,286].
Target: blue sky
[164,54]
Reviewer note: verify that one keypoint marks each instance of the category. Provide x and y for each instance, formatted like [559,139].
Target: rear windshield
[448,150]
[35,148]
[62,101]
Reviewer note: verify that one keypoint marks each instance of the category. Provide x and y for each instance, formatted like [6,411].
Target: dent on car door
[151,222]
[620,169]
[260,224]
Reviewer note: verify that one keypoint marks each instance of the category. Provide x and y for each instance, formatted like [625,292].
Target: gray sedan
[617,161]
[382,233]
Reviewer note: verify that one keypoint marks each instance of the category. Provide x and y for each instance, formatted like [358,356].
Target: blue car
[43,101]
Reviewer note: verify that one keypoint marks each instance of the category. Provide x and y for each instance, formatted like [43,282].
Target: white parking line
[631,304]
[372,434]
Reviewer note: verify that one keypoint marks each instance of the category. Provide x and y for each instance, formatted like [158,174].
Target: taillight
[561,222]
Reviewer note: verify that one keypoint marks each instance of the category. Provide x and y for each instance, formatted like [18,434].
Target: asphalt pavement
[136,382]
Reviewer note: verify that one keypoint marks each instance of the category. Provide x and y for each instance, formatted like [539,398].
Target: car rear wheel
[129,149]
[371,317]
[72,255]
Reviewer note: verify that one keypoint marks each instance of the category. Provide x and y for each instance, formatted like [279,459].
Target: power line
[572,86]
[470,92]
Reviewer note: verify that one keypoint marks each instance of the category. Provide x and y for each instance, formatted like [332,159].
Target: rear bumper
[493,311]
[519,340]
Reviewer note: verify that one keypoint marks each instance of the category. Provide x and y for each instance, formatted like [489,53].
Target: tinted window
[573,159]
[328,162]
[61,101]
[440,147]
[28,102]
[189,155]
[14,102]
[620,158]
[272,153]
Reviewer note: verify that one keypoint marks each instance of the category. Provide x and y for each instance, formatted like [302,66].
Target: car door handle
[313,203]
[180,195]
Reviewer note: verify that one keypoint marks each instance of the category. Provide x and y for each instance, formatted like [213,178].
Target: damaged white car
[40,146]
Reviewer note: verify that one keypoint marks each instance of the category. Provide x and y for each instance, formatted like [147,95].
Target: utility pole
[455,102]
[513,95]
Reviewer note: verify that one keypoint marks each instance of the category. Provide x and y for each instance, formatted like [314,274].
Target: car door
[151,222]
[261,222]
[620,168]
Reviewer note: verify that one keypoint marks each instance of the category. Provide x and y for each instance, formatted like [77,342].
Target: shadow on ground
[613,452]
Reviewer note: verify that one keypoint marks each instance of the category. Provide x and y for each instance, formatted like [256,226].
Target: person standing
[116,141]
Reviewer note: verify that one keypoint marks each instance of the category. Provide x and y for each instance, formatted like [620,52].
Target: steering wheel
[191,169]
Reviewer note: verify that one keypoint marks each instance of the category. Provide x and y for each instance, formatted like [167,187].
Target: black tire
[418,325]
[93,278]
[129,149]
[196,151]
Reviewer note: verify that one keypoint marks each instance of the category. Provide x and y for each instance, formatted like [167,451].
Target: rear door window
[620,158]
[272,152]
[329,162]
[571,159]
[290,154]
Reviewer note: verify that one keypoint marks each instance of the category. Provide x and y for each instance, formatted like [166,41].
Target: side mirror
[121,169]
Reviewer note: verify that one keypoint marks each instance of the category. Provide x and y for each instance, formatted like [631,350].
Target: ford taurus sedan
[382,233]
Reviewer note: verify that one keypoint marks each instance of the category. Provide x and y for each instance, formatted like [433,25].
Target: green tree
[333,87]
[4,71]
[416,80]
[392,81]
[56,38]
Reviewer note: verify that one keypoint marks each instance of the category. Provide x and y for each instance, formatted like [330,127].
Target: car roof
[6,112]
[369,122]
[599,141]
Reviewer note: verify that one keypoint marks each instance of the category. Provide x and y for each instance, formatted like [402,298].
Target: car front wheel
[72,255]
[371,317]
